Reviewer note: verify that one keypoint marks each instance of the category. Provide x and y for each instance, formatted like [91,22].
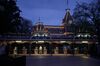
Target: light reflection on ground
[85,57]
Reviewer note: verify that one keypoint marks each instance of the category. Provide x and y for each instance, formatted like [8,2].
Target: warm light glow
[57,34]
[40,41]
[40,48]
[66,33]
[62,41]
[84,41]
[85,57]
[54,27]
[19,41]
[46,30]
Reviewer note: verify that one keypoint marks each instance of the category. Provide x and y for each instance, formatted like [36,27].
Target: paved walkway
[61,61]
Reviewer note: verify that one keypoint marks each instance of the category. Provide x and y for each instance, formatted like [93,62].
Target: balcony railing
[14,37]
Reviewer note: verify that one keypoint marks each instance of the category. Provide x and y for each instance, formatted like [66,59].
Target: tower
[39,26]
[67,18]
[39,29]
[67,21]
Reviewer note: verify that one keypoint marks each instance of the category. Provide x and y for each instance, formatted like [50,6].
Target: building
[50,39]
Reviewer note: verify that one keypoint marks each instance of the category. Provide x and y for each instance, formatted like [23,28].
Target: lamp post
[30,46]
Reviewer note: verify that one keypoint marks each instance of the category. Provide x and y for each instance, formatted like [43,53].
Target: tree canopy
[10,19]
[87,17]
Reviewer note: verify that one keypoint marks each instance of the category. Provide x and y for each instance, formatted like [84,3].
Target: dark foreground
[11,61]
[62,61]
[49,61]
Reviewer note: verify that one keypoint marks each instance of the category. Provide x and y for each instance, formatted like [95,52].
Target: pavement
[81,60]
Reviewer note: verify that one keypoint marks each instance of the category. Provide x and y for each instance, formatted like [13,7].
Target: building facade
[50,39]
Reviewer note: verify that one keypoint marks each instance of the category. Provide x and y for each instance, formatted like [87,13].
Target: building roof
[67,17]
[53,26]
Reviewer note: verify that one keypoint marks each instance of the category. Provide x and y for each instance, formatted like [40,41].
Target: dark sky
[50,11]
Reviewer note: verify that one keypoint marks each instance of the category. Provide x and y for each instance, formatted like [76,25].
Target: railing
[6,37]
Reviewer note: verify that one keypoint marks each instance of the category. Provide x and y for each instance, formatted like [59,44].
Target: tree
[81,19]
[88,14]
[94,15]
[9,16]
[26,26]
[10,19]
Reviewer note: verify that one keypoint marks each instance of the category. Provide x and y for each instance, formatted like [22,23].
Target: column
[36,50]
[15,51]
[65,50]
[85,50]
[76,50]
[45,50]
[40,50]
[56,50]
[24,50]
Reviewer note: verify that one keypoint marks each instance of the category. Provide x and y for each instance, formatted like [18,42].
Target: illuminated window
[35,35]
[89,35]
[86,35]
[43,35]
[62,41]
[40,41]
[82,35]
[19,41]
[39,35]
[78,35]
[40,48]
[46,35]
[84,41]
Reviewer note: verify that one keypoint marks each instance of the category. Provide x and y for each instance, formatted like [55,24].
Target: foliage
[10,19]
[26,26]
[87,16]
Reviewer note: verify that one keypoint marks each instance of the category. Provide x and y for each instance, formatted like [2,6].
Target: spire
[39,21]
[39,25]
[67,4]
[67,18]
